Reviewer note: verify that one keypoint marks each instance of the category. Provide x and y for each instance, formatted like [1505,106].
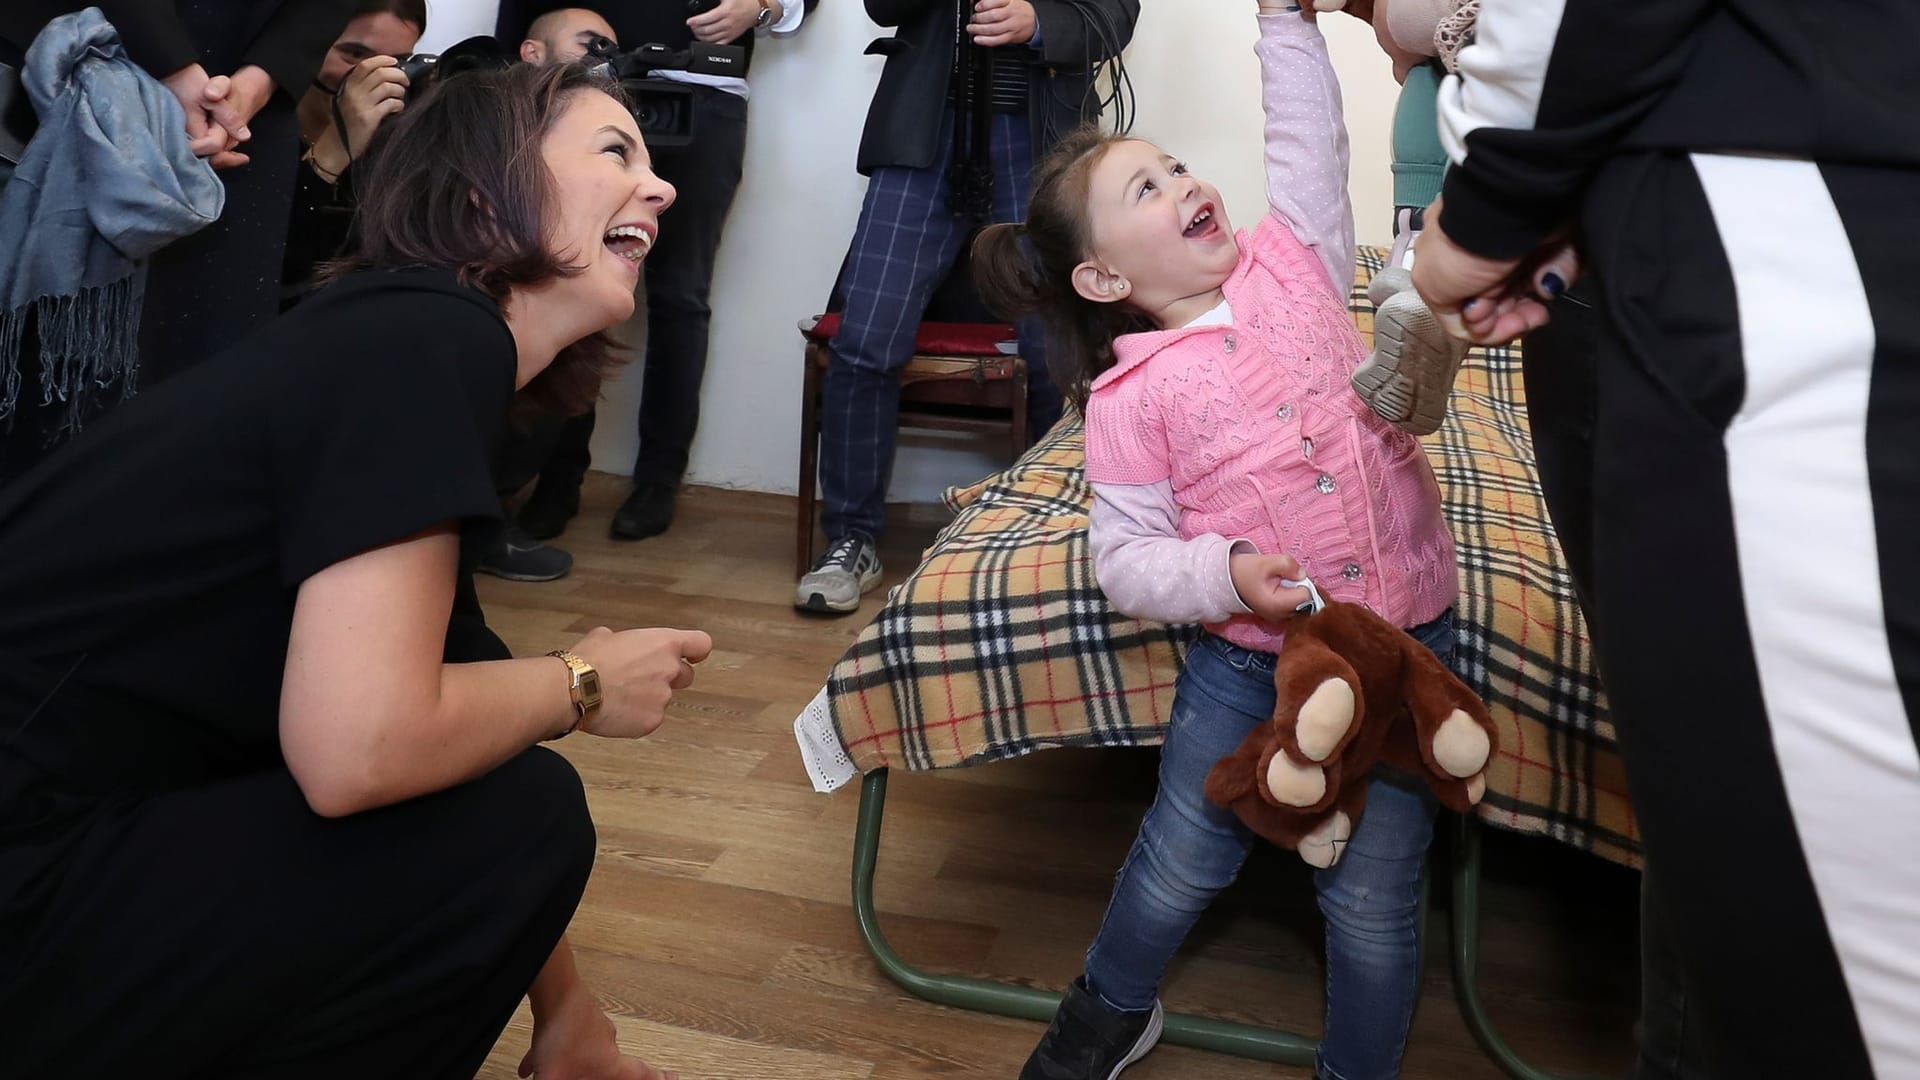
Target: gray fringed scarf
[107,180]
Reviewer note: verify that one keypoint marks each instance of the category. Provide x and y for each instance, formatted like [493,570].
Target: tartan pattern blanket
[1001,643]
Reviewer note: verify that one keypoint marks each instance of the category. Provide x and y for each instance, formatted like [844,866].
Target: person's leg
[507,550]
[1667,1036]
[679,282]
[1188,850]
[230,931]
[906,240]
[903,246]
[1371,901]
[1012,189]
[1755,496]
[1559,368]
[556,498]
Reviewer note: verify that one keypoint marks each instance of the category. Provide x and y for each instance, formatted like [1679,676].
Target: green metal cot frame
[1182,1029]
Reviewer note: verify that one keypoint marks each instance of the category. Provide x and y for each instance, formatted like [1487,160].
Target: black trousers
[1754,469]
[227,931]
[1560,367]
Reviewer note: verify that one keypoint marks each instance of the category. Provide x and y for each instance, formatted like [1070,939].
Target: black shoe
[519,557]
[1090,1040]
[547,511]
[647,512]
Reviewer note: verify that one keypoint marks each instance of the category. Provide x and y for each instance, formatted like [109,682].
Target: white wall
[1197,87]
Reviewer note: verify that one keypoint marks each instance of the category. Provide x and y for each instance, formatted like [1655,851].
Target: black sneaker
[850,567]
[546,512]
[519,557]
[647,512]
[1091,1040]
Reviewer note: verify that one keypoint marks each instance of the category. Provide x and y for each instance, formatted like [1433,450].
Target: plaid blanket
[1001,643]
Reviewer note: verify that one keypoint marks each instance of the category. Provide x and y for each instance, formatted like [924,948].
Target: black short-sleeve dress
[149,568]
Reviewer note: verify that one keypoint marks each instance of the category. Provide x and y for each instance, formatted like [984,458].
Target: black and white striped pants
[1748,494]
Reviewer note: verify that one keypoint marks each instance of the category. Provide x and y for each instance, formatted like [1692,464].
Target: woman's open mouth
[630,242]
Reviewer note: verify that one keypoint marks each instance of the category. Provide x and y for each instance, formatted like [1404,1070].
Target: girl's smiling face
[1160,237]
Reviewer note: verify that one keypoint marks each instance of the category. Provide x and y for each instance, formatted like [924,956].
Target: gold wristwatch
[585,689]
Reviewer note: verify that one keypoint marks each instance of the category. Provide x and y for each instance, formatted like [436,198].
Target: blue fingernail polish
[1467,308]
[1552,284]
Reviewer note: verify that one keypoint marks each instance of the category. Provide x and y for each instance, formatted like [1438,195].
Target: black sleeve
[897,12]
[150,29]
[389,428]
[1544,94]
[294,42]
[1078,34]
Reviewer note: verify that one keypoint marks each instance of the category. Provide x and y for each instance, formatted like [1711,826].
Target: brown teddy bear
[1353,690]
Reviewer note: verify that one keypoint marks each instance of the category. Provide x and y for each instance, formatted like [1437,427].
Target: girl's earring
[1121,286]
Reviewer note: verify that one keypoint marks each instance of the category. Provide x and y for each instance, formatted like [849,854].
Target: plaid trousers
[905,243]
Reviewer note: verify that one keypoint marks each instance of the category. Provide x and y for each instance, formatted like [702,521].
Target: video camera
[662,107]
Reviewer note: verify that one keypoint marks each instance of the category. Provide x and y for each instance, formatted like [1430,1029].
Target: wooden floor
[718,929]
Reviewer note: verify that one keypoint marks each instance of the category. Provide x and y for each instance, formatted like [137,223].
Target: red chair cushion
[940,338]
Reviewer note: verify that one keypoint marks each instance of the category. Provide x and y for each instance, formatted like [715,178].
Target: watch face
[590,687]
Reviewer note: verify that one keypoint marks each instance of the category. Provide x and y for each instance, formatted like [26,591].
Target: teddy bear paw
[1323,846]
[1477,789]
[1324,719]
[1460,746]
[1293,784]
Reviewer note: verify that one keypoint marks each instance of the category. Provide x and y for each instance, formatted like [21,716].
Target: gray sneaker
[519,557]
[849,568]
[1407,377]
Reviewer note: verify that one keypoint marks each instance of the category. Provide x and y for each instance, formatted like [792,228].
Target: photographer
[679,275]
[360,84]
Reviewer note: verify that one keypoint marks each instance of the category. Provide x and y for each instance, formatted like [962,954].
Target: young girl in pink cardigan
[1230,459]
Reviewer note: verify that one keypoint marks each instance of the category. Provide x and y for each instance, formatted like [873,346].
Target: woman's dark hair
[1027,269]
[457,181]
[407,11]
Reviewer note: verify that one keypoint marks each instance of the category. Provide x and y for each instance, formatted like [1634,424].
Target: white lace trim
[828,765]
[1455,32]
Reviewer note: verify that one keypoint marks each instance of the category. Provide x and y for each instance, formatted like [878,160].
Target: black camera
[662,107]
[479,53]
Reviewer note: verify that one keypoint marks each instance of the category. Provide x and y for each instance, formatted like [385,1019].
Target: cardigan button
[1325,484]
[1229,343]
[1351,571]
[1285,411]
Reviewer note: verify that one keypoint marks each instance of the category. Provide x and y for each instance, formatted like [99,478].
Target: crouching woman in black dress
[260,813]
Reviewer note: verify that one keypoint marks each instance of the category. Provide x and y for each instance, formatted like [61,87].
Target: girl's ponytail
[1027,269]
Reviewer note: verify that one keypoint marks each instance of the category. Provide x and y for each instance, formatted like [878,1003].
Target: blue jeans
[1189,849]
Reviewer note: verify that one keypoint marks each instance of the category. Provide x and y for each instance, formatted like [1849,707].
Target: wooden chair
[962,377]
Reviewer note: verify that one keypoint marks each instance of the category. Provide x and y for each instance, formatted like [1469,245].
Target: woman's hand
[574,1040]
[233,101]
[375,89]
[204,137]
[1489,301]
[1261,582]
[639,671]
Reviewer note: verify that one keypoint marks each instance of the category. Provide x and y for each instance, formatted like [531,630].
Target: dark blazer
[903,124]
[287,38]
